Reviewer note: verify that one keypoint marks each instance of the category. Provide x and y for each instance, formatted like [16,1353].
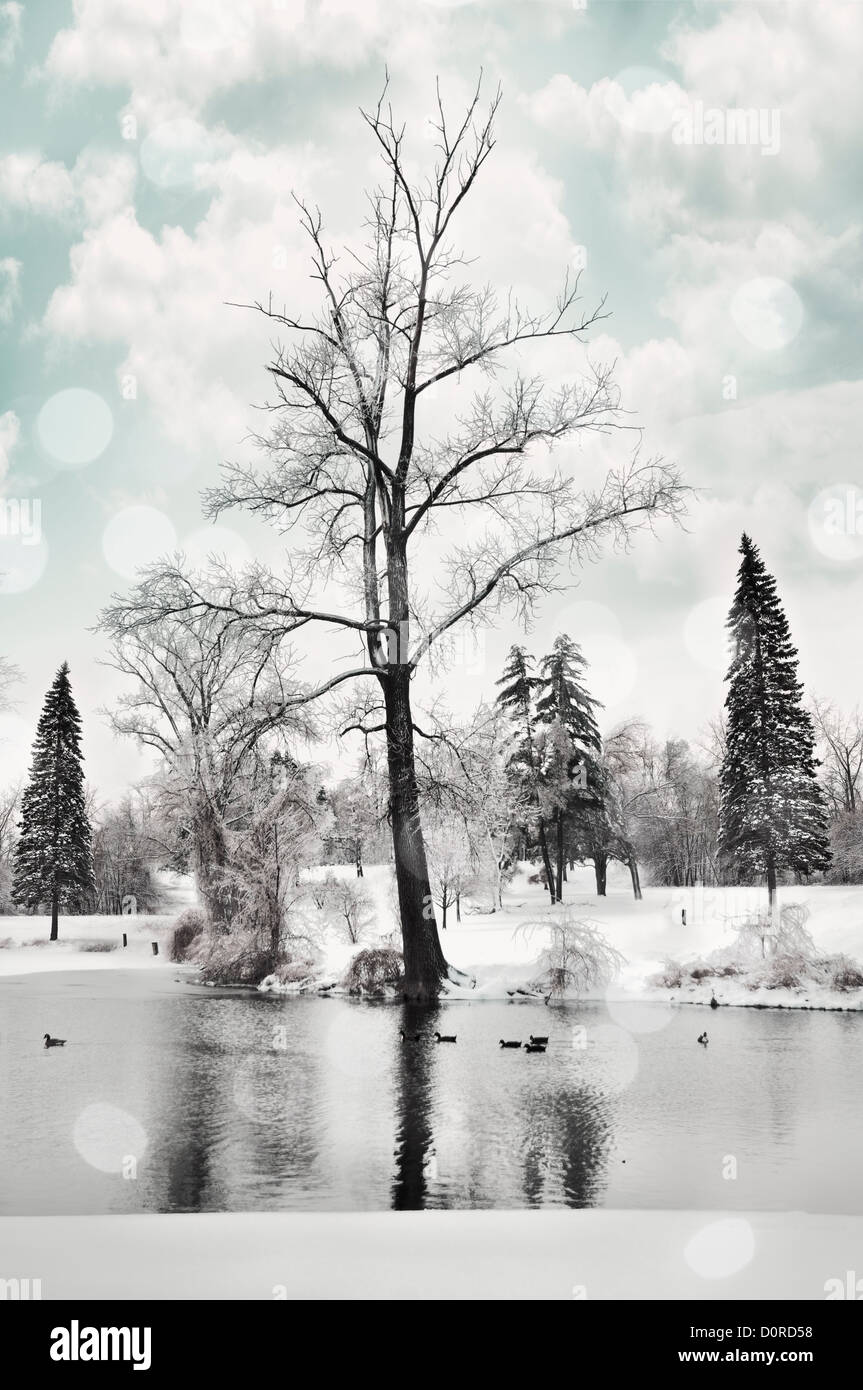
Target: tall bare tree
[840,738]
[360,489]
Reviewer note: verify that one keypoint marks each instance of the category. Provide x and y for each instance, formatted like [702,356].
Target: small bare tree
[206,690]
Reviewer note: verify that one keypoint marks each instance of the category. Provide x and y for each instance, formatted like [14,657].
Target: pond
[170,1097]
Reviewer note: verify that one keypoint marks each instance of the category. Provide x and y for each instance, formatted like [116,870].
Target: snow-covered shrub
[373,970]
[790,970]
[189,926]
[577,958]
[97,946]
[669,977]
[763,934]
[844,973]
[237,958]
[293,972]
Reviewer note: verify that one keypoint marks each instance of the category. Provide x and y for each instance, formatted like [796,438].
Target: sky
[698,163]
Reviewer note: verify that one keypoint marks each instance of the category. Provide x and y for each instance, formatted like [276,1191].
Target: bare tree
[360,491]
[841,746]
[207,690]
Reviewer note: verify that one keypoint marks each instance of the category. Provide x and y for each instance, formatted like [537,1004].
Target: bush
[669,977]
[189,926]
[578,958]
[788,971]
[844,973]
[237,959]
[97,946]
[293,972]
[372,970]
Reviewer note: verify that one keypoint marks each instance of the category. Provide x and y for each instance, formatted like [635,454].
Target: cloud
[10,433]
[175,58]
[10,31]
[10,288]
[96,185]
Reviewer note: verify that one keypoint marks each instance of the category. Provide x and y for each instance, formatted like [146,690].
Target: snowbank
[548,1255]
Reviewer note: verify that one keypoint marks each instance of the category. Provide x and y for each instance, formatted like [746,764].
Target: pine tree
[517,698]
[53,860]
[574,740]
[772,813]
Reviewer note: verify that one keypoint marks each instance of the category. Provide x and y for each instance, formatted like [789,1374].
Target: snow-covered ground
[500,955]
[546,1255]
[495,949]
[83,941]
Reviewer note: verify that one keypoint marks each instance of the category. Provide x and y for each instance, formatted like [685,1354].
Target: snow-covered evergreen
[772,811]
[53,858]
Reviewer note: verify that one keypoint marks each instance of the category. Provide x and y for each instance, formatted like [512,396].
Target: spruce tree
[517,698]
[772,813]
[573,741]
[53,860]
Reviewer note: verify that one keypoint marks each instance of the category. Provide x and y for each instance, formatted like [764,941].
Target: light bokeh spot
[721,1249]
[105,1136]
[75,426]
[768,312]
[135,537]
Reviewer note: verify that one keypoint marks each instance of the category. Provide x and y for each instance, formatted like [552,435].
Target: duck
[54,1042]
[703,1039]
[444,1037]
[714,1002]
[534,1047]
[414,1037]
[536,1038]
[509,1044]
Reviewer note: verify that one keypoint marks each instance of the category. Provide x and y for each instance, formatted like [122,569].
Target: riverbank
[668,928]
[566,1256]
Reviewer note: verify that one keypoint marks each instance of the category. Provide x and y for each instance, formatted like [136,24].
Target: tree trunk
[55,911]
[600,869]
[771,885]
[546,860]
[559,882]
[359,858]
[458,907]
[636,879]
[443,912]
[425,966]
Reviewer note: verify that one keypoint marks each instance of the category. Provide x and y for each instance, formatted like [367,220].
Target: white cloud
[10,287]
[174,58]
[10,433]
[10,31]
[97,184]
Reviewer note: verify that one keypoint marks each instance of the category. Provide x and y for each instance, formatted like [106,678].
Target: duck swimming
[509,1044]
[703,1039]
[54,1042]
[535,1047]
[538,1039]
[444,1037]
[414,1037]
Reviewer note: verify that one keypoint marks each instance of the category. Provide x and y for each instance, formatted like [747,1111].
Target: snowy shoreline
[669,926]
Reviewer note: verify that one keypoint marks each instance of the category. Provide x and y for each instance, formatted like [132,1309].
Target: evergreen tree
[573,743]
[772,813]
[517,698]
[53,860]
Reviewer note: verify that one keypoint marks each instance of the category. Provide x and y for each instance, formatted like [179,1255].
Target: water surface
[170,1097]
